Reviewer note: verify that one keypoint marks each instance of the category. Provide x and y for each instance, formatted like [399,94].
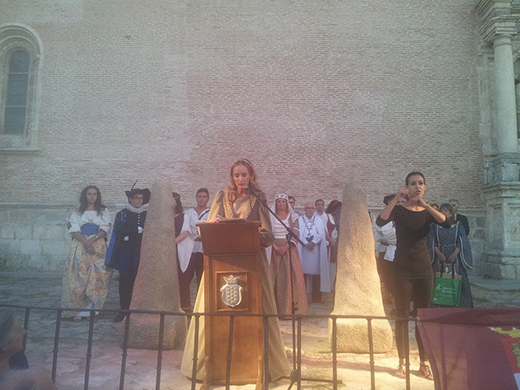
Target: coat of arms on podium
[231,291]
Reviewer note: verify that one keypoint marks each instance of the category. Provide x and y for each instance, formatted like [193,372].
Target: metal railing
[295,378]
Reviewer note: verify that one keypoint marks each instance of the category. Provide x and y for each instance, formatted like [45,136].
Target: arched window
[16,96]
[20,59]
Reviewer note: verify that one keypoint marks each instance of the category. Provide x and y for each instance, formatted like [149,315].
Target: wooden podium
[232,284]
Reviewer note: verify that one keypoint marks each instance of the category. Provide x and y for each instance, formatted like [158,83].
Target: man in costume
[459,217]
[292,202]
[313,254]
[385,247]
[320,210]
[189,250]
[124,250]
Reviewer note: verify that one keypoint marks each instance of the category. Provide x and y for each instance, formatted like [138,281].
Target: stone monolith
[358,289]
[157,284]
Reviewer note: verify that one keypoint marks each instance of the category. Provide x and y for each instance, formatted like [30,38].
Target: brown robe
[251,209]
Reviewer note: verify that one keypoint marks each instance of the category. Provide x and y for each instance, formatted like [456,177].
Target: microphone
[250,191]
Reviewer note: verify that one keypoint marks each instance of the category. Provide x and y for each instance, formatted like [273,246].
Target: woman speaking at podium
[237,201]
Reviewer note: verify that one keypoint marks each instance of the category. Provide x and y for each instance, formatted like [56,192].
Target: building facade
[313,93]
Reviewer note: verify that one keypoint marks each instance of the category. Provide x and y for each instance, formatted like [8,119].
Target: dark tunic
[125,245]
[18,361]
[413,275]
[412,259]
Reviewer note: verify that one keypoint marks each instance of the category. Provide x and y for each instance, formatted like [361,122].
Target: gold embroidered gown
[252,210]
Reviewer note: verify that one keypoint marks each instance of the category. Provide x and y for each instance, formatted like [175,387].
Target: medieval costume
[190,254]
[86,279]
[250,208]
[447,239]
[315,263]
[280,266]
[124,250]
[386,245]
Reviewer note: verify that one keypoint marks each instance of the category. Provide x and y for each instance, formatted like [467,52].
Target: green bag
[447,289]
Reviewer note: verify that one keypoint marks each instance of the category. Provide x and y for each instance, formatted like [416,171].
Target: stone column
[157,283]
[501,191]
[505,93]
[358,288]
[498,28]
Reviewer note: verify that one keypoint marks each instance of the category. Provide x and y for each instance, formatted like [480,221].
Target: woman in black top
[413,276]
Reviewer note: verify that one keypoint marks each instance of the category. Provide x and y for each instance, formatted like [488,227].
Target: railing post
[56,344]
[371,350]
[407,352]
[89,347]
[265,385]
[299,353]
[334,354]
[195,352]
[159,352]
[230,350]
[26,325]
[125,352]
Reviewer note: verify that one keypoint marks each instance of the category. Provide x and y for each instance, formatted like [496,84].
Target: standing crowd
[415,239]
[300,269]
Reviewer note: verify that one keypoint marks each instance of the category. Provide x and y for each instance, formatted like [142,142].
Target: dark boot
[120,317]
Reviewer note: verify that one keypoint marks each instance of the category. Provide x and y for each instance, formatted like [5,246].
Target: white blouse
[89,216]
[279,231]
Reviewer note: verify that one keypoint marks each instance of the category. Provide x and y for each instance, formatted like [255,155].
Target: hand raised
[418,201]
[402,194]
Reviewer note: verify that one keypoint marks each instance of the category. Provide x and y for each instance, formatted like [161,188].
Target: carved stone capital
[488,9]
[499,27]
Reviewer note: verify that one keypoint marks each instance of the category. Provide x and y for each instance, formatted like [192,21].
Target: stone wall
[34,238]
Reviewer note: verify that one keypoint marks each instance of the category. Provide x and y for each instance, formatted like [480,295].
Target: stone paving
[43,291]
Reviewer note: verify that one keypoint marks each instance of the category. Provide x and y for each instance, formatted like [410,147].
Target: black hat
[134,191]
[388,198]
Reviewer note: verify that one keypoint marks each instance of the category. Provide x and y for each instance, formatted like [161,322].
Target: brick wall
[313,93]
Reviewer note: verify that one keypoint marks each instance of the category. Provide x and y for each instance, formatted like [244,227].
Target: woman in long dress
[86,279]
[450,248]
[236,202]
[286,289]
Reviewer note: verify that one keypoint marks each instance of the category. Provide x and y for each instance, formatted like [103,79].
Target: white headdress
[289,207]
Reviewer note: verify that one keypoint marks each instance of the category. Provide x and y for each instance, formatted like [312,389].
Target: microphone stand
[295,375]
